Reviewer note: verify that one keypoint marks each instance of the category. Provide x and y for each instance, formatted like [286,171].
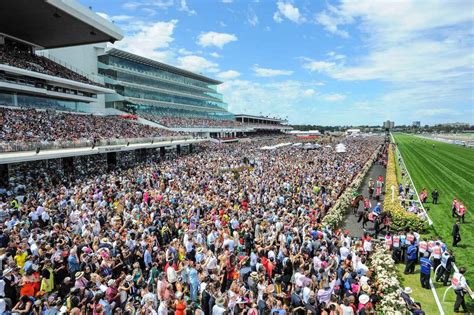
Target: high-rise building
[416,124]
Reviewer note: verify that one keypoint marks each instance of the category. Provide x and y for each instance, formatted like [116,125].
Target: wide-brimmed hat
[365,288]
[79,275]
[364,299]
[408,290]
[220,301]
[254,275]
[129,278]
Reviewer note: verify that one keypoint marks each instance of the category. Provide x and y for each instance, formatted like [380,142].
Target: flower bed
[386,281]
[400,217]
[336,214]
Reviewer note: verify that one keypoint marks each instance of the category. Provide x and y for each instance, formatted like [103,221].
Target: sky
[348,62]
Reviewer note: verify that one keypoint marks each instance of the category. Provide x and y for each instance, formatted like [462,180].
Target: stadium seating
[30,125]
[29,61]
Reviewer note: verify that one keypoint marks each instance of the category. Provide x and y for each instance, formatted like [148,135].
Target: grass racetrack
[450,169]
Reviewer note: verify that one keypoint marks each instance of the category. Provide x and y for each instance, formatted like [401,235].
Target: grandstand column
[178,149]
[191,148]
[162,152]
[111,160]
[4,178]
[15,99]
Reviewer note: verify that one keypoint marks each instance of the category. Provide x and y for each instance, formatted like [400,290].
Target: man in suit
[456,233]
[435,195]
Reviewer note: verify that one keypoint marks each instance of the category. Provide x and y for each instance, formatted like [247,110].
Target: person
[412,306]
[444,272]
[454,208]
[435,196]
[425,270]
[462,212]
[460,288]
[456,233]
[411,259]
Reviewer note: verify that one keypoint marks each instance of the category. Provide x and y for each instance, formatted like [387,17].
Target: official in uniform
[456,233]
[425,270]
[460,288]
[444,271]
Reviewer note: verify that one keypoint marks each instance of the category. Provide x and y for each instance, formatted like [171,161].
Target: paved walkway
[351,219]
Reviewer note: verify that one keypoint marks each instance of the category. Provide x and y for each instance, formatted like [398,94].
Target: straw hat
[364,299]
[365,288]
[220,301]
[254,275]
[79,275]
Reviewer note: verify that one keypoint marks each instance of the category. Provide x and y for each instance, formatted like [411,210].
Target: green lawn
[448,168]
[425,297]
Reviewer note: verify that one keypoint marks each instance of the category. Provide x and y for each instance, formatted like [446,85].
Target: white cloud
[309,92]
[215,55]
[331,20]
[227,1]
[227,75]
[334,97]
[183,6]
[197,64]
[317,66]
[150,40]
[289,11]
[215,39]
[184,52]
[252,18]
[267,72]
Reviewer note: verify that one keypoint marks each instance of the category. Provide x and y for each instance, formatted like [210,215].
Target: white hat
[364,299]
[7,271]
[129,278]
[110,282]
[179,295]
[408,290]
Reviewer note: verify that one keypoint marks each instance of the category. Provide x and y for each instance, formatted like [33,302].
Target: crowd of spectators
[36,126]
[229,229]
[185,122]
[24,59]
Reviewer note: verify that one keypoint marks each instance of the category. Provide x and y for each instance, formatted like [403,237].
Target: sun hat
[220,301]
[408,290]
[79,275]
[365,288]
[364,299]
[110,282]
[129,278]
[179,295]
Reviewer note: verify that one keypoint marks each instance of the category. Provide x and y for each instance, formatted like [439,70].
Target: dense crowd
[230,229]
[184,122]
[30,61]
[20,125]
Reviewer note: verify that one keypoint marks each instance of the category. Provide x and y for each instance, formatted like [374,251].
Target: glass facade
[11,99]
[148,89]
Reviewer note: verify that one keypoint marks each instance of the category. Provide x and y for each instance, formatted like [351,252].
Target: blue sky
[345,62]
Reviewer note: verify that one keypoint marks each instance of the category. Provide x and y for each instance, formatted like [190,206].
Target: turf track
[450,169]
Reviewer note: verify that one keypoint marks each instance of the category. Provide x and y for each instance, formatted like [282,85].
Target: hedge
[401,218]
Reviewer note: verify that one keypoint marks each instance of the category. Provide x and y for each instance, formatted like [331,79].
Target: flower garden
[401,218]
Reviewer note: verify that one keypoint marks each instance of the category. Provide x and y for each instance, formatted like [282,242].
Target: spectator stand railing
[18,146]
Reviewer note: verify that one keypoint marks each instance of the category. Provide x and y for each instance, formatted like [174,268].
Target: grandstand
[178,99]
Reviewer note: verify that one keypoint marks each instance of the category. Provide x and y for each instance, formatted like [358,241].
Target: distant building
[352,132]
[416,124]
[388,124]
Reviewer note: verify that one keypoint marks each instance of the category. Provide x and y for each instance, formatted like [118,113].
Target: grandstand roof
[55,23]
[162,66]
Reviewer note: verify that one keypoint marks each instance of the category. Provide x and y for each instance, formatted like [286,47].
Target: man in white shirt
[460,288]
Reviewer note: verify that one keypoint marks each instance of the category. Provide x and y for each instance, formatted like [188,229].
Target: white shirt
[218,310]
[162,309]
[171,275]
